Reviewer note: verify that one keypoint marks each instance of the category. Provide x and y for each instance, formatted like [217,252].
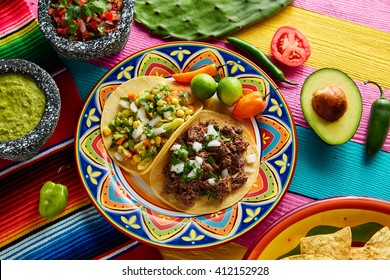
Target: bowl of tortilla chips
[340,228]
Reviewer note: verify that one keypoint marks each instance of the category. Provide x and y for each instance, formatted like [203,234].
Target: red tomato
[290,46]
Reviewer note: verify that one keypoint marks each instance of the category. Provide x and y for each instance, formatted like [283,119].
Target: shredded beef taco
[210,166]
[140,117]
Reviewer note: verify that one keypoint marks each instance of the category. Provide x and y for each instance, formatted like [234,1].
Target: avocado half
[343,129]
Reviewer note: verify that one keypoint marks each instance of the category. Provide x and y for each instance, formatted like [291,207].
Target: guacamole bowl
[30,106]
[86,47]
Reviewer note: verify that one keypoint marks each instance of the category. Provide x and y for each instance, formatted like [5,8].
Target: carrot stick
[186,77]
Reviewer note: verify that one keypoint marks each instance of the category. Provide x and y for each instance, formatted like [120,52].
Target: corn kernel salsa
[83,20]
[145,121]
[22,104]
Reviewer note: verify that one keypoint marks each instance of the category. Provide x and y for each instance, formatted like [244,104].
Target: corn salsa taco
[210,166]
[141,116]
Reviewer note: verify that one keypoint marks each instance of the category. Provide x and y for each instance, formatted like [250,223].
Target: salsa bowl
[110,43]
[27,145]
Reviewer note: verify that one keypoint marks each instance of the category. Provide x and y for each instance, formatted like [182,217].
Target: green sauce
[22,104]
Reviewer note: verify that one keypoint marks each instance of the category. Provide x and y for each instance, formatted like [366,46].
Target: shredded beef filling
[221,170]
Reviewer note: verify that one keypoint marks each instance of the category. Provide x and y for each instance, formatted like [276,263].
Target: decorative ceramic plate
[128,202]
[364,215]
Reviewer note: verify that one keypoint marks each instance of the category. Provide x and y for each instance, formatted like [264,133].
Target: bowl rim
[83,47]
[312,208]
[46,125]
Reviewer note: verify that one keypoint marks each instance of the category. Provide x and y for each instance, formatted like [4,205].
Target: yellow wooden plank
[362,52]
[229,251]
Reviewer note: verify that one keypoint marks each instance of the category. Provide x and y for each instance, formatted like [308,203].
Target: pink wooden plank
[375,14]
[288,203]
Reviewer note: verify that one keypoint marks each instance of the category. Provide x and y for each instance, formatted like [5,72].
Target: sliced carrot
[120,141]
[186,77]
[133,96]
[147,142]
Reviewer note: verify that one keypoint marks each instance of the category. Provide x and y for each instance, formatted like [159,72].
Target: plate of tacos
[174,171]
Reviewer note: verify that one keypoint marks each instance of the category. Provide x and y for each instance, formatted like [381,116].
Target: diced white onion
[198,161]
[167,114]
[248,169]
[178,168]
[175,147]
[250,158]
[143,137]
[124,104]
[118,156]
[153,122]
[197,146]
[192,173]
[133,107]
[159,130]
[142,116]
[235,175]
[214,143]
[211,181]
[137,132]
[211,130]
[225,172]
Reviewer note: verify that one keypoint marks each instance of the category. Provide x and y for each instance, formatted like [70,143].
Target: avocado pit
[330,103]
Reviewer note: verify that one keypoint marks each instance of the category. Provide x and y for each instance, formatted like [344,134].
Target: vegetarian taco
[140,117]
[210,166]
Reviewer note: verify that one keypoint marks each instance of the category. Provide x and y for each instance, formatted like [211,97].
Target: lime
[229,90]
[203,86]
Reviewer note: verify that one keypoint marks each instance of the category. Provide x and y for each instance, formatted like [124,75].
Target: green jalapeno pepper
[379,122]
[53,198]
[261,58]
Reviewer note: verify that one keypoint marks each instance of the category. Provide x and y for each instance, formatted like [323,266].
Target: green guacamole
[22,103]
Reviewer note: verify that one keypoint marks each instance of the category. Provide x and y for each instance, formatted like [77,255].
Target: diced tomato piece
[82,2]
[60,12]
[93,24]
[107,16]
[63,30]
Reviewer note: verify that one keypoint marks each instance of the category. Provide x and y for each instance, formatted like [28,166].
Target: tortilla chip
[308,257]
[369,253]
[380,240]
[336,245]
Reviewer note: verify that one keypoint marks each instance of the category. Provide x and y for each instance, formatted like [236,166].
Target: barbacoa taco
[210,166]
[140,117]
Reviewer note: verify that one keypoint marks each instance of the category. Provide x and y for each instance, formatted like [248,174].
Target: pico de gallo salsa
[83,20]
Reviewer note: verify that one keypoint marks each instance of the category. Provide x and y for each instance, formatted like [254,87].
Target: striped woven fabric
[80,232]
[21,37]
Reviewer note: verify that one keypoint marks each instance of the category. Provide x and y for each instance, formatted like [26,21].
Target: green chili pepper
[261,58]
[379,122]
[53,199]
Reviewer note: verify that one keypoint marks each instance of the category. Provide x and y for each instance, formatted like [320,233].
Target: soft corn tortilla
[204,205]
[111,109]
